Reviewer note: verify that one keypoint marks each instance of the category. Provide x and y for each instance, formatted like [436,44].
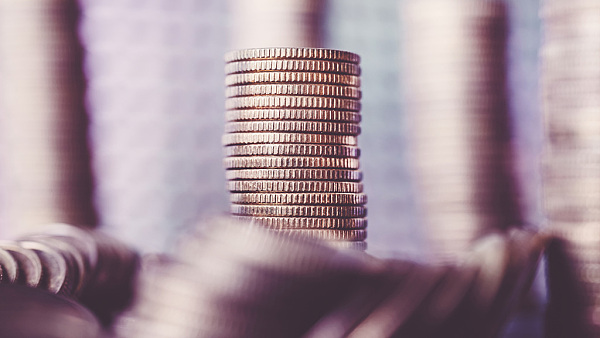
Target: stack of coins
[291,141]
[456,101]
[44,161]
[570,79]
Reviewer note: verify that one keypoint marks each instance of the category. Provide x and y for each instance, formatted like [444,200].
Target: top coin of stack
[291,141]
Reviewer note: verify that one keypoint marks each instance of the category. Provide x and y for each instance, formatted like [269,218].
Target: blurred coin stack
[570,82]
[454,75]
[291,142]
[44,160]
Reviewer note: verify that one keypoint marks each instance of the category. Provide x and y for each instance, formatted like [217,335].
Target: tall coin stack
[455,81]
[570,80]
[291,142]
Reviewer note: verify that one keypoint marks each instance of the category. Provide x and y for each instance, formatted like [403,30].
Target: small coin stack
[455,79]
[291,142]
[570,79]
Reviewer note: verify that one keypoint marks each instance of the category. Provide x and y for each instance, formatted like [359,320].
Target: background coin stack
[570,81]
[45,173]
[454,58]
[291,141]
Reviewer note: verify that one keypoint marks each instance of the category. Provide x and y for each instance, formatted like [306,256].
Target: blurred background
[142,84]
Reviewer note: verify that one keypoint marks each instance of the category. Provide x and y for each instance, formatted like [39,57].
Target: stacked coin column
[291,142]
[454,69]
[570,80]
[44,160]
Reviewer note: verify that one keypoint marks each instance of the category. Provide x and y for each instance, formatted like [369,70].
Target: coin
[288,101]
[293,114]
[55,276]
[292,53]
[305,222]
[292,150]
[289,162]
[294,174]
[298,210]
[255,138]
[294,89]
[326,235]
[78,269]
[28,263]
[78,237]
[292,66]
[9,267]
[300,198]
[311,127]
[294,186]
[292,77]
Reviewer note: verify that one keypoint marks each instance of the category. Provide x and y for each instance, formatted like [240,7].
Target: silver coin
[292,53]
[340,175]
[29,265]
[56,277]
[293,114]
[76,261]
[9,267]
[293,150]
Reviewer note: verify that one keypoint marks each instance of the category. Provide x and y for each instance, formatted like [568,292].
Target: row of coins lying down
[238,280]
[88,266]
[292,159]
